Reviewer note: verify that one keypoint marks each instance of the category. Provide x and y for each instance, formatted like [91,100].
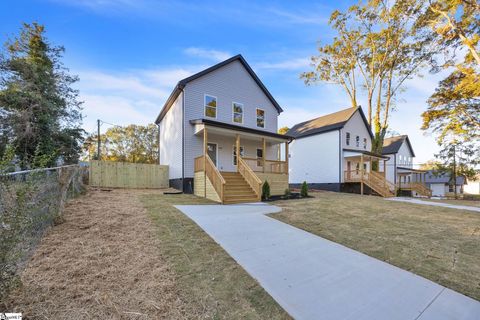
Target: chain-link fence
[30,202]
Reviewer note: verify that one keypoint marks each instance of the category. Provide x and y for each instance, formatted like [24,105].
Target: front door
[212,152]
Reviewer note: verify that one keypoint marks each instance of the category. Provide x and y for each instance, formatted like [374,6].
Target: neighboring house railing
[374,180]
[250,176]
[418,187]
[267,166]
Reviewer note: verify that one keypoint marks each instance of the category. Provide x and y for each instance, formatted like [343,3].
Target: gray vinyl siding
[231,83]
[171,139]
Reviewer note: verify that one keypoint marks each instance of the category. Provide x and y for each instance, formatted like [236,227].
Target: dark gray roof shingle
[392,144]
[329,122]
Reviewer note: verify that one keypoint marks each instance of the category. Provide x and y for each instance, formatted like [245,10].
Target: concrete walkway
[431,203]
[313,278]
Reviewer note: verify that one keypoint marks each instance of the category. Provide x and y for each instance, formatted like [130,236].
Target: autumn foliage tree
[454,107]
[375,50]
[132,143]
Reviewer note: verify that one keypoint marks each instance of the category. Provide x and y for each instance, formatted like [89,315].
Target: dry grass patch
[102,262]
[215,286]
[440,244]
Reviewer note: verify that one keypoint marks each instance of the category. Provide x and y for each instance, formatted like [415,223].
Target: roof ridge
[328,114]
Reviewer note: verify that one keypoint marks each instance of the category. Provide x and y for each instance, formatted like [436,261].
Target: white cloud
[210,54]
[291,64]
[300,17]
[134,96]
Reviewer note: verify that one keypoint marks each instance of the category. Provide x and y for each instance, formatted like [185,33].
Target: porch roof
[353,153]
[410,170]
[232,127]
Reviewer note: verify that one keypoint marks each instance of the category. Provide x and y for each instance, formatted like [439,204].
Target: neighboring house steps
[374,180]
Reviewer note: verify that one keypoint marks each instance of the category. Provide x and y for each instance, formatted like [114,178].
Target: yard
[440,244]
[458,202]
[129,254]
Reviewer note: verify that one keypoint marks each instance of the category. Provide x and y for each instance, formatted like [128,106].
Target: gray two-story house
[218,135]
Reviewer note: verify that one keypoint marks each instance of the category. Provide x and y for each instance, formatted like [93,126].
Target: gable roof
[329,122]
[392,145]
[433,176]
[181,84]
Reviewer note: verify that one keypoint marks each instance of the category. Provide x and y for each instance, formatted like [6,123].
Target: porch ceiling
[232,131]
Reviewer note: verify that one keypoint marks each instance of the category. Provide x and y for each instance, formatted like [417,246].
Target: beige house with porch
[218,134]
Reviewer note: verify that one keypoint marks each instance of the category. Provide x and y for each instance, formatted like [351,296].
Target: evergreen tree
[41,113]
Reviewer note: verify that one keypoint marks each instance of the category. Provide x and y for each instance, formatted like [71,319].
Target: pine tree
[40,110]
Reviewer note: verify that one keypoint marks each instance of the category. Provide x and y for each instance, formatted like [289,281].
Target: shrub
[304,190]
[288,193]
[266,191]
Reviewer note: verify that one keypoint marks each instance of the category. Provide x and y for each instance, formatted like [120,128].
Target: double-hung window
[237,112]
[210,106]
[364,143]
[347,138]
[357,141]
[235,154]
[260,118]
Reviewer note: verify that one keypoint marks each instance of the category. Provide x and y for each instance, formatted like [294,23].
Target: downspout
[183,140]
[340,162]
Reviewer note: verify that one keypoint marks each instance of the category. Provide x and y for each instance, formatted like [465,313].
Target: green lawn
[440,244]
[210,281]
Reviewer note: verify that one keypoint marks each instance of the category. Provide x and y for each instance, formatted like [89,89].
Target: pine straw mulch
[102,262]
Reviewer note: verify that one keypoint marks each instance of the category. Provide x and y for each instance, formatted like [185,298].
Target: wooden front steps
[237,190]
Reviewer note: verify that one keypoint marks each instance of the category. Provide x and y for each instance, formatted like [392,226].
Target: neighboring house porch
[360,170]
[413,181]
[236,161]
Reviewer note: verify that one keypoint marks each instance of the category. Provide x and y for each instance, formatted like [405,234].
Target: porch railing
[211,172]
[374,180]
[249,176]
[271,166]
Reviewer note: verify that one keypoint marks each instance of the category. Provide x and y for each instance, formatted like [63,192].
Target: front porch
[236,163]
[363,168]
[412,181]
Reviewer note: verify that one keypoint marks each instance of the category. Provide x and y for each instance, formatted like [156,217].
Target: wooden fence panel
[128,175]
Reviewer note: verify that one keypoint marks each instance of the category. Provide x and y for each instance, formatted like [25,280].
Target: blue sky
[130,53]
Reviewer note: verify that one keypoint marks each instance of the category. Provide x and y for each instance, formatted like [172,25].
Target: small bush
[287,193]
[266,191]
[304,190]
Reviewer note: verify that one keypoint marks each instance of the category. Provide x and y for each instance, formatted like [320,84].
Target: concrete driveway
[313,278]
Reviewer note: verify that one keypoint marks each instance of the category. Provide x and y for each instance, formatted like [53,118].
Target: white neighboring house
[332,152]
[399,167]
[442,185]
[472,186]
[218,135]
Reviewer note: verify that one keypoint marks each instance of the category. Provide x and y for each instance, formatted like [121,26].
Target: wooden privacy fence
[128,175]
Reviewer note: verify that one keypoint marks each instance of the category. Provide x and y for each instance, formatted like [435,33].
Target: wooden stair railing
[215,178]
[374,180]
[422,189]
[251,178]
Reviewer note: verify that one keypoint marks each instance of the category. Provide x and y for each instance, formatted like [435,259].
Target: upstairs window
[357,141]
[237,112]
[364,143]
[210,106]
[260,118]
[347,138]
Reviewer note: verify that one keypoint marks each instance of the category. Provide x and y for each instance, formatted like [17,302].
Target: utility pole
[98,139]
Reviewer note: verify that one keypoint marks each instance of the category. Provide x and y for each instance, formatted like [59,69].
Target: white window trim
[264,118]
[234,149]
[348,137]
[216,152]
[365,143]
[233,111]
[357,141]
[256,156]
[205,105]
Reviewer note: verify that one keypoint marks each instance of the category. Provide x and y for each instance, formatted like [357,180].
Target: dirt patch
[103,261]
